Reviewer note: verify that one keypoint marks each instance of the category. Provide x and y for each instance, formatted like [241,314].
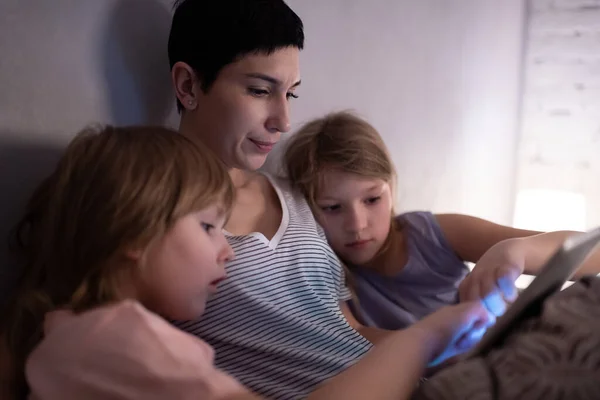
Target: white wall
[560,146]
[438,78]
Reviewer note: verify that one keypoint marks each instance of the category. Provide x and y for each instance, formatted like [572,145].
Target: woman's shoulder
[292,197]
[278,181]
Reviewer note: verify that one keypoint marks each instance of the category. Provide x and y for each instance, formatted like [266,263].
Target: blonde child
[127,232]
[128,214]
[404,266]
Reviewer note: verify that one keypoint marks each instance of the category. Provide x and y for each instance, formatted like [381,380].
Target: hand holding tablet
[558,269]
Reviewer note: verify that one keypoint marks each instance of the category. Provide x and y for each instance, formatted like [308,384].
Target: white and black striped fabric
[275,323]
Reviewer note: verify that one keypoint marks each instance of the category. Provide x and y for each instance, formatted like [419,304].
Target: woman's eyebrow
[270,79]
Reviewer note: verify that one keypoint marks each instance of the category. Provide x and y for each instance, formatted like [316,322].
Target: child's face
[355,213]
[182,268]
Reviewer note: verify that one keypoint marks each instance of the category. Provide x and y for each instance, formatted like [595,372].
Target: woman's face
[244,112]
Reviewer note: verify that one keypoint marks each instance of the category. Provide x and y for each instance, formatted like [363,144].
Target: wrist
[513,251]
[518,250]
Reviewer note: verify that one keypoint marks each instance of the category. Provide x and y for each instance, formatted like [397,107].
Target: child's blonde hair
[113,189]
[340,141]
[344,142]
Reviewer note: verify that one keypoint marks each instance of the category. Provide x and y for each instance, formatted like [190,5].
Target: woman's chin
[253,162]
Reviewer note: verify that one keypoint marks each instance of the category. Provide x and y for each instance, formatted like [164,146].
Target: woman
[279,323]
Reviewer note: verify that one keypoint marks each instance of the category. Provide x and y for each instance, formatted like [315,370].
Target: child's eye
[291,95]
[373,200]
[207,227]
[332,208]
[258,92]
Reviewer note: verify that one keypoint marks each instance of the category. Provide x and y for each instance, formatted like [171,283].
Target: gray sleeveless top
[428,281]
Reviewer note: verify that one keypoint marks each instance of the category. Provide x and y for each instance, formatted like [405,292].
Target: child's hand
[455,329]
[493,278]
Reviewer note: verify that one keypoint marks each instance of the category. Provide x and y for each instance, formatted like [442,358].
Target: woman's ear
[186,85]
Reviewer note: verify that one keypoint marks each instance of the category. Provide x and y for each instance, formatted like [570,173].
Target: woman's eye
[291,96]
[258,92]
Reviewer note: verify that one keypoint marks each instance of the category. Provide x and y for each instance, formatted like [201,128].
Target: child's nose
[226,254]
[356,220]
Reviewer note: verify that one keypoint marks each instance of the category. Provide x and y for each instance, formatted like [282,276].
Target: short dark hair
[210,34]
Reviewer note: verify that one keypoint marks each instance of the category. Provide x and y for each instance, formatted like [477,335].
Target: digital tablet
[557,270]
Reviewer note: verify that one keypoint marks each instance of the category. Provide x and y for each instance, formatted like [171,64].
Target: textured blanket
[553,356]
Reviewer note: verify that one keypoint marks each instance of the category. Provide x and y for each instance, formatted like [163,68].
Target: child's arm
[536,250]
[501,254]
[472,237]
[392,369]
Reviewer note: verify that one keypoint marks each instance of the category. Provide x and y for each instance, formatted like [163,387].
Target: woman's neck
[187,127]
[240,177]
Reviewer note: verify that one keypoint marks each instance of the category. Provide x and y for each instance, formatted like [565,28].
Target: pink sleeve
[123,352]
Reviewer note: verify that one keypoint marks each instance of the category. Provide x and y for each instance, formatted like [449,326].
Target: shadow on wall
[22,167]
[135,62]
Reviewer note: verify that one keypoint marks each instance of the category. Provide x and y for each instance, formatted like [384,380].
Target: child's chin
[359,259]
[192,313]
